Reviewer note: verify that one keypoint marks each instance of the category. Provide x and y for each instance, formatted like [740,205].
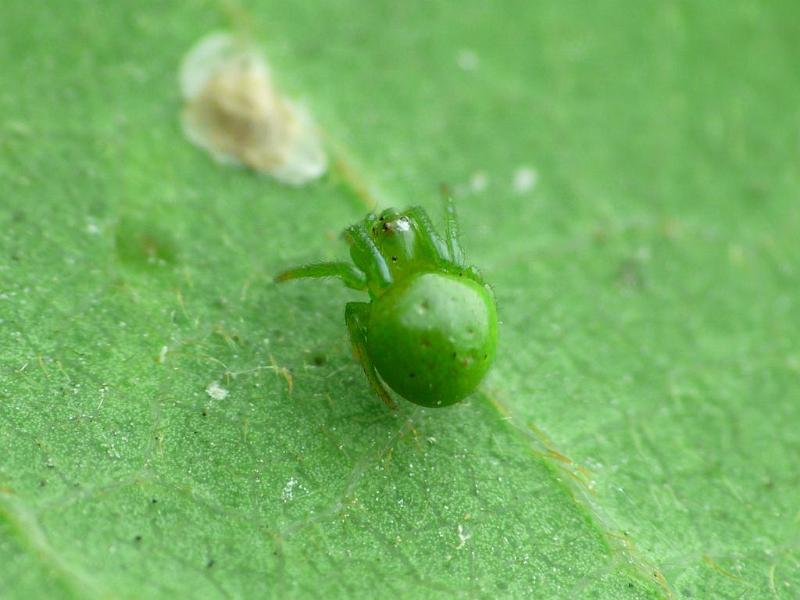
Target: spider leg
[434,244]
[367,256]
[451,228]
[349,274]
[356,315]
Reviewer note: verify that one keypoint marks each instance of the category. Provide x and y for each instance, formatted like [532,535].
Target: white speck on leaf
[524,179]
[288,490]
[463,536]
[234,111]
[479,181]
[216,391]
[162,355]
[467,60]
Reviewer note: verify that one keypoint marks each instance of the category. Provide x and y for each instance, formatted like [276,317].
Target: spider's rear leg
[356,314]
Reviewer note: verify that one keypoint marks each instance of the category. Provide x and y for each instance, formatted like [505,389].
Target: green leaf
[174,424]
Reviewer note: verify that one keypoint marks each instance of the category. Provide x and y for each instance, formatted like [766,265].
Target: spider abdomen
[432,336]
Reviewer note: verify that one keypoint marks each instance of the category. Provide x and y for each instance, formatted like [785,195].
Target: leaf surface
[172,423]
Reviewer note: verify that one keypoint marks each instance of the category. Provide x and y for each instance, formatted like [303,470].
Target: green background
[639,436]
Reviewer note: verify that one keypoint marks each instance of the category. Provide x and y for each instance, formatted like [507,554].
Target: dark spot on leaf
[210,563]
[319,360]
[153,501]
[630,274]
[137,539]
[144,244]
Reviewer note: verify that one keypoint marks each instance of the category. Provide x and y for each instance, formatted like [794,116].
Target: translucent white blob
[234,112]
[216,391]
[467,60]
[478,182]
[524,179]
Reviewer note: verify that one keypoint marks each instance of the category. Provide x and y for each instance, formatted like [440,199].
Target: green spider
[429,331]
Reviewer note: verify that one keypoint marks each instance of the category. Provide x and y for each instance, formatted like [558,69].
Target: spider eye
[400,225]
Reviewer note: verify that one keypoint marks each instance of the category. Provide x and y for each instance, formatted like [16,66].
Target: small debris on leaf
[216,391]
[234,111]
[463,536]
[288,490]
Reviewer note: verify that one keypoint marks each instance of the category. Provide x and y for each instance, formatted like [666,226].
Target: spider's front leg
[434,245]
[350,275]
[451,228]
[440,250]
[356,314]
[367,257]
